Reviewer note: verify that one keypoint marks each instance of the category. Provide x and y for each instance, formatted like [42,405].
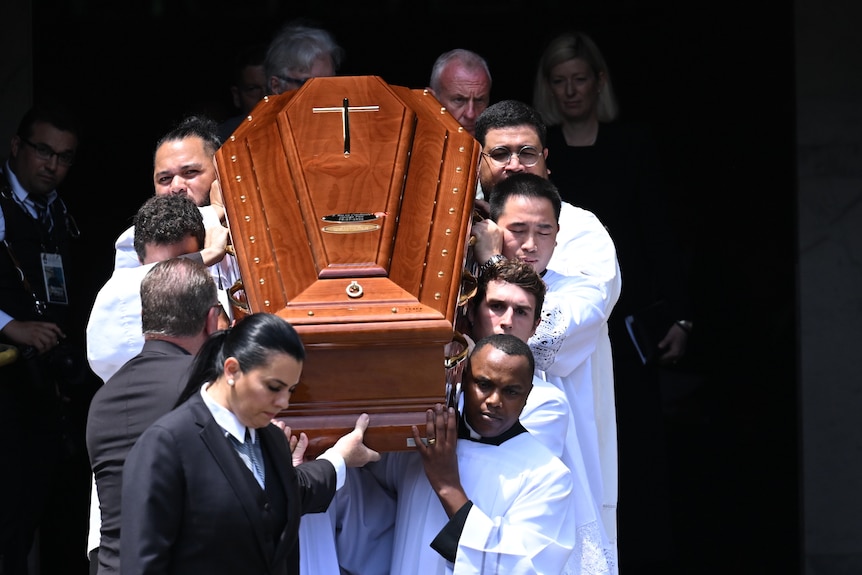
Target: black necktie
[42,211]
[251,455]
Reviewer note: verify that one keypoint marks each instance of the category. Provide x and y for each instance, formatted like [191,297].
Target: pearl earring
[230,381]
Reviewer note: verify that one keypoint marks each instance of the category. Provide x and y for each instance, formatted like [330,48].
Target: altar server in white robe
[585,248]
[480,494]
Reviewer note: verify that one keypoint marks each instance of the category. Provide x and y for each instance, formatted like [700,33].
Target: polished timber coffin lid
[349,203]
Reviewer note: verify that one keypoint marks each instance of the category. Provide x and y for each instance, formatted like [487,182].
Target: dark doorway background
[714,80]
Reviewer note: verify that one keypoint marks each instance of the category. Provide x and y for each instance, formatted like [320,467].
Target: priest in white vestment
[480,494]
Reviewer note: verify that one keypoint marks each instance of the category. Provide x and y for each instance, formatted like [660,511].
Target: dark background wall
[715,81]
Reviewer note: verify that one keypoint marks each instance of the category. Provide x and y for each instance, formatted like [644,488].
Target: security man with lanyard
[44,390]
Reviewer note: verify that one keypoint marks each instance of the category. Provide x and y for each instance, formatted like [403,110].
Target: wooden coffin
[349,204]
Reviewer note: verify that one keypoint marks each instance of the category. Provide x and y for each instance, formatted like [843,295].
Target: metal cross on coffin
[345,110]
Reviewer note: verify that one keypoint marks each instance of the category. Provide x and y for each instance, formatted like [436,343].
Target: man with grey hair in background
[298,51]
[461,82]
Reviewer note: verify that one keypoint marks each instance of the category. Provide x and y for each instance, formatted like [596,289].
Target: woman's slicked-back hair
[253,341]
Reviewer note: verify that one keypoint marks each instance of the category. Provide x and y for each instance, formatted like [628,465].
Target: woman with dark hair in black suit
[210,487]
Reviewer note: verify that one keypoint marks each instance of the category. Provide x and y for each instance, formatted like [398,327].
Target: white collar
[22,196]
[225,417]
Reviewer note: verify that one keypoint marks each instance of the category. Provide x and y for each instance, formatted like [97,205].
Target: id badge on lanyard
[55,279]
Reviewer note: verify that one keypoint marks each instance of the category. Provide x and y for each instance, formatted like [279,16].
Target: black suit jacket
[145,388]
[188,506]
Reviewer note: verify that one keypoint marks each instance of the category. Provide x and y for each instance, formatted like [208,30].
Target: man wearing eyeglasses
[183,165]
[298,52]
[41,154]
[44,393]
[571,345]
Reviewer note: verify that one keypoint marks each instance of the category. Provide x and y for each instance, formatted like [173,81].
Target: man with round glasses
[571,351]
[512,135]
[45,392]
[527,156]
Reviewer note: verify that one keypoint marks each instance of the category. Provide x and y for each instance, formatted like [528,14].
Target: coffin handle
[238,303]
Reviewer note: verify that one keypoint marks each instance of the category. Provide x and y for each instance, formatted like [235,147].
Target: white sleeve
[573,318]
[94,534]
[584,247]
[4,318]
[546,416]
[535,535]
[209,216]
[338,463]
[114,330]
[125,255]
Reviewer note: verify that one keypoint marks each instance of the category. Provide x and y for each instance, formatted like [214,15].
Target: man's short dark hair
[508,344]
[518,274]
[509,114]
[168,219]
[199,126]
[55,114]
[527,185]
